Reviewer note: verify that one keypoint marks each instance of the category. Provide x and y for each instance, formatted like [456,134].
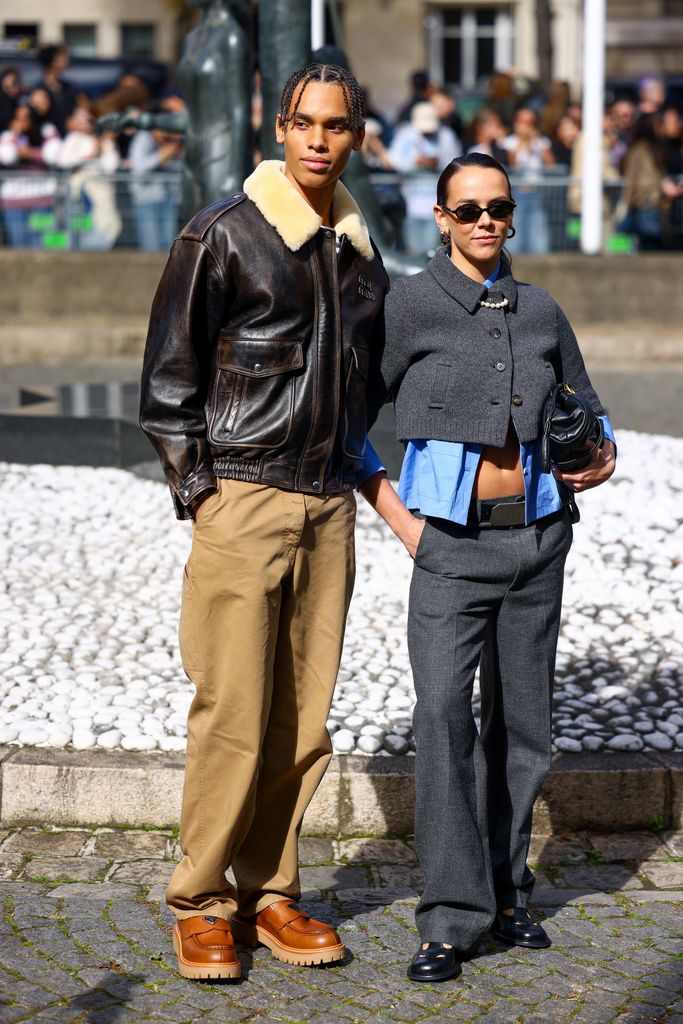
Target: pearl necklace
[494,305]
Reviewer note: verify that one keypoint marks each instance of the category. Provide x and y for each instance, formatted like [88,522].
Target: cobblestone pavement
[85,939]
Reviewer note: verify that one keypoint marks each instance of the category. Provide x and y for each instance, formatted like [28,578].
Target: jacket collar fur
[294,220]
[468,292]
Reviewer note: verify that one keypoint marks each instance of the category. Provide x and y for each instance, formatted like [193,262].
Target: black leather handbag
[572,433]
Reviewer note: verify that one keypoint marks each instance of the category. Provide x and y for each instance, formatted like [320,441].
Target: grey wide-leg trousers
[490,597]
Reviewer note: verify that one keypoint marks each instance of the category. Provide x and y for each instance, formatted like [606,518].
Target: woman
[470,357]
[647,189]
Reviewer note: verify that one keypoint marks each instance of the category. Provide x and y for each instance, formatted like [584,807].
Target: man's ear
[360,136]
[279,130]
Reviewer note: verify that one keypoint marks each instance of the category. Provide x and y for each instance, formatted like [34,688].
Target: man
[262,358]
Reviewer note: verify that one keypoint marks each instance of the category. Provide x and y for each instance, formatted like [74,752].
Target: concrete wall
[592,289]
[56,307]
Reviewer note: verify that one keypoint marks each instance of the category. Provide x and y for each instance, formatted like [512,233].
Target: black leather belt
[499,513]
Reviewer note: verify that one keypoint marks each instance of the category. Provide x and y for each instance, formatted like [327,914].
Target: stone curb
[358,795]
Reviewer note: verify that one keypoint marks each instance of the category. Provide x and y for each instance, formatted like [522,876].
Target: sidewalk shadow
[108,1000]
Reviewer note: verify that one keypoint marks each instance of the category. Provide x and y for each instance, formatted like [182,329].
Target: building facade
[94,28]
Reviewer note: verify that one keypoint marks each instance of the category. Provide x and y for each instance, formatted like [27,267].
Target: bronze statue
[215,79]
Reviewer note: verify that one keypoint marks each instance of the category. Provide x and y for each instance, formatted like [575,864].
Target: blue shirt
[437,477]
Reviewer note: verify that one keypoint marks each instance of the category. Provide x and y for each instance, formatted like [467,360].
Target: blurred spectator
[26,193]
[488,132]
[575,111]
[423,145]
[130,91]
[501,96]
[447,111]
[387,191]
[90,158]
[528,153]
[55,60]
[371,113]
[609,174]
[651,94]
[620,131]
[671,133]
[10,92]
[155,203]
[672,142]
[39,103]
[647,191]
[421,90]
[375,153]
[555,108]
[563,139]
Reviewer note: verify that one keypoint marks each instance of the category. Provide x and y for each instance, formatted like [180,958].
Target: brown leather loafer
[204,948]
[290,934]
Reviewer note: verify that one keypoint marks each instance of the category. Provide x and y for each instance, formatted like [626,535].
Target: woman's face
[482,241]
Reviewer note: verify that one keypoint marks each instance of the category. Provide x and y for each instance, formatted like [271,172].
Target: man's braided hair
[328,73]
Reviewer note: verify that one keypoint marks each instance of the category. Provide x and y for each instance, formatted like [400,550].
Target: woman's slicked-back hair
[482,160]
[329,73]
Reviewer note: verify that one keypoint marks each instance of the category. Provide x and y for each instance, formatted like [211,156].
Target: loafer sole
[188,969]
[253,935]
[526,943]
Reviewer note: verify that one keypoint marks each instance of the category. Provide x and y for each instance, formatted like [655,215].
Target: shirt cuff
[371,463]
[609,432]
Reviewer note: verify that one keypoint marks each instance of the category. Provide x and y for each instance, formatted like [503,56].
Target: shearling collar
[466,291]
[294,220]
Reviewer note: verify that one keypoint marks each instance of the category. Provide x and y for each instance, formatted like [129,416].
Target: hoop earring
[512,232]
[444,237]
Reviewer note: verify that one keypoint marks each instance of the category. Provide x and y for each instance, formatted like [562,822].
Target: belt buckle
[511,513]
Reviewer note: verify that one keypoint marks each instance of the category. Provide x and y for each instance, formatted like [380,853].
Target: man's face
[319,139]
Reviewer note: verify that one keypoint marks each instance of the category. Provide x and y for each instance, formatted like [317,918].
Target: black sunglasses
[468,213]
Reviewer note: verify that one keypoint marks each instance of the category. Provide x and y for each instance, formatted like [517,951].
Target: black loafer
[520,930]
[435,963]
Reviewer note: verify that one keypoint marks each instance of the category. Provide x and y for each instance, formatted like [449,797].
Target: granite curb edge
[372,796]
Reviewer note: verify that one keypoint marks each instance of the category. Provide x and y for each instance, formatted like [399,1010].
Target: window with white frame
[466,43]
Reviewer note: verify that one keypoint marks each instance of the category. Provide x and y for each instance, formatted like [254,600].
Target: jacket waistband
[260,471]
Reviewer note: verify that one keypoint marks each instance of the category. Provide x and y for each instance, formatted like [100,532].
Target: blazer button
[257,367]
[516,399]
[500,366]
[495,332]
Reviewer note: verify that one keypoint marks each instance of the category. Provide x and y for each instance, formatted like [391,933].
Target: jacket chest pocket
[252,399]
[355,428]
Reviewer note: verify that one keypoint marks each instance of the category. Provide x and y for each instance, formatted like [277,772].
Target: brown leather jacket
[264,345]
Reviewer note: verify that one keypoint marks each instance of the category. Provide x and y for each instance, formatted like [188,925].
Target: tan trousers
[265,595]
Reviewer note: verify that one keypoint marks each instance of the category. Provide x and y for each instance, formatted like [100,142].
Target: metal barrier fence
[87,209]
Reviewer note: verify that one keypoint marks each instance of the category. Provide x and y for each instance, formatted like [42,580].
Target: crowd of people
[53,127]
[537,137]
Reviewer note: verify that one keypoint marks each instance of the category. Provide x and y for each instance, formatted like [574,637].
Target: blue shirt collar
[494,277]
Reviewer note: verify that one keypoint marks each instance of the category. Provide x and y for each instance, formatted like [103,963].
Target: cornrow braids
[329,73]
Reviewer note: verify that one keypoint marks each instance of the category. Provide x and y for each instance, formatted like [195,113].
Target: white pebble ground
[91,572]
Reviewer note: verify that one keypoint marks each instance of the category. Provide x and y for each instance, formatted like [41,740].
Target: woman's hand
[410,535]
[596,472]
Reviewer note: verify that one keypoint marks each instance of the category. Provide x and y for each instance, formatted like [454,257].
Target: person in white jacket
[92,159]
[420,149]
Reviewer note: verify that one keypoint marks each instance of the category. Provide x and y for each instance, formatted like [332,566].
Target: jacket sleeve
[186,314]
[398,333]
[569,365]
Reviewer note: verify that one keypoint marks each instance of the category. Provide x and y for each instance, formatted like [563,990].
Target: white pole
[317,24]
[593,106]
